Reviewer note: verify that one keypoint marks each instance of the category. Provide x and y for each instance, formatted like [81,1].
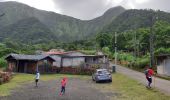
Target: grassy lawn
[122,87]
[129,89]
[20,79]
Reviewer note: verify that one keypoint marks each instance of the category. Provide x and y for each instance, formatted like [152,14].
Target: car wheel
[110,81]
[97,81]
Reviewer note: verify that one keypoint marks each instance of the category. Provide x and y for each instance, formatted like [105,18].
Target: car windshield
[102,72]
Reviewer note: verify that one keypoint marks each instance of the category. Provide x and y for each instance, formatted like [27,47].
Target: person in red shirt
[149,73]
[63,85]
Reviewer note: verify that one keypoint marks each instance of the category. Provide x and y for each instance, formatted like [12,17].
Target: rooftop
[28,57]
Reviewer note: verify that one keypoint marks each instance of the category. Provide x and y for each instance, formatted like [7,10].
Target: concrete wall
[72,62]
[163,67]
[57,60]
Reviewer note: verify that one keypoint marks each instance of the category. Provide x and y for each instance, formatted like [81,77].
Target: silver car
[102,75]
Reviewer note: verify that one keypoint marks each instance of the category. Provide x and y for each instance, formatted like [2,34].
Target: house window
[95,60]
[45,61]
[85,60]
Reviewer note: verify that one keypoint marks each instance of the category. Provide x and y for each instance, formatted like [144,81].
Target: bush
[142,62]
[125,57]
[77,70]
[3,63]
[1,79]
[162,51]
[5,77]
[106,51]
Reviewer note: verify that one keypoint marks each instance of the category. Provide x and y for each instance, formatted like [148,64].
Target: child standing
[37,77]
[63,85]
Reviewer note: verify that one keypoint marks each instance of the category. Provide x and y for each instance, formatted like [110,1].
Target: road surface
[160,84]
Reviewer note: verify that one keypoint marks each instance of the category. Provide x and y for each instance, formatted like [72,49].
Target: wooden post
[17,69]
[37,67]
[154,81]
[25,68]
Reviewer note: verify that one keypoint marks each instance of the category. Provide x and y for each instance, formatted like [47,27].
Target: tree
[103,39]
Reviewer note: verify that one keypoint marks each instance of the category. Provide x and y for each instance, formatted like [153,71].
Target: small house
[76,58]
[163,64]
[29,63]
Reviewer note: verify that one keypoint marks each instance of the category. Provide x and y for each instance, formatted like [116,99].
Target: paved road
[160,84]
[77,89]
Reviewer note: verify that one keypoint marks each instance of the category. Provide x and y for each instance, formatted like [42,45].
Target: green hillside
[134,19]
[65,27]
[28,31]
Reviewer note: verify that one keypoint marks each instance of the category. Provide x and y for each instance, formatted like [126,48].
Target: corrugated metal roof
[28,57]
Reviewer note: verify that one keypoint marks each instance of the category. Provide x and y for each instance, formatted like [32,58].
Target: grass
[16,81]
[163,77]
[129,89]
[122,87]
[19,79]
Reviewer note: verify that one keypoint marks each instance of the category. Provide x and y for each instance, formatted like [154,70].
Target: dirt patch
[77,89]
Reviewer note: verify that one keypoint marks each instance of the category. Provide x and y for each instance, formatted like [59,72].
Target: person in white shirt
[37,77]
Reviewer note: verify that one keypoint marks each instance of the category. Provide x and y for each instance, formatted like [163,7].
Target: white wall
[167,67]
[163,67]
[72,62]
[57,60]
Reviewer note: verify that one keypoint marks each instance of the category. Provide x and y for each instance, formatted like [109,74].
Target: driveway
[160,84]
[77,89]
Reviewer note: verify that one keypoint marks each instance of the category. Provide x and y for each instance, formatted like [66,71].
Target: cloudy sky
[89,9]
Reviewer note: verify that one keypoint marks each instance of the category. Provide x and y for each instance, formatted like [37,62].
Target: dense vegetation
[134,45]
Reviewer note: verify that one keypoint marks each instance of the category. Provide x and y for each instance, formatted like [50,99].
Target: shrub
[1,79]
[141,62]
[5,77]
[77,70]
[3,63]
[162,51]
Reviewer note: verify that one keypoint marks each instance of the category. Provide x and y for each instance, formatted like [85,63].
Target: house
[163,64]
[76,58]
[29,63]
[66,59]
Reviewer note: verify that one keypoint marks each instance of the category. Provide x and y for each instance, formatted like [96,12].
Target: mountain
[133,19]
[58,27]
[28,31]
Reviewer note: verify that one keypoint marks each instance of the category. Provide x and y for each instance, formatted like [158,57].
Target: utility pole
[135,48]
[152,60]
[115,48]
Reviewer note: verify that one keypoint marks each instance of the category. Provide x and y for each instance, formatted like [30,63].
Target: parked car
[102,75]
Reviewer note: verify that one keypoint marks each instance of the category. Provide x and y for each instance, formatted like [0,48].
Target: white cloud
[113,2]
[130,5]
[47,5]
[89,9]
[141,1]
[116,1]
